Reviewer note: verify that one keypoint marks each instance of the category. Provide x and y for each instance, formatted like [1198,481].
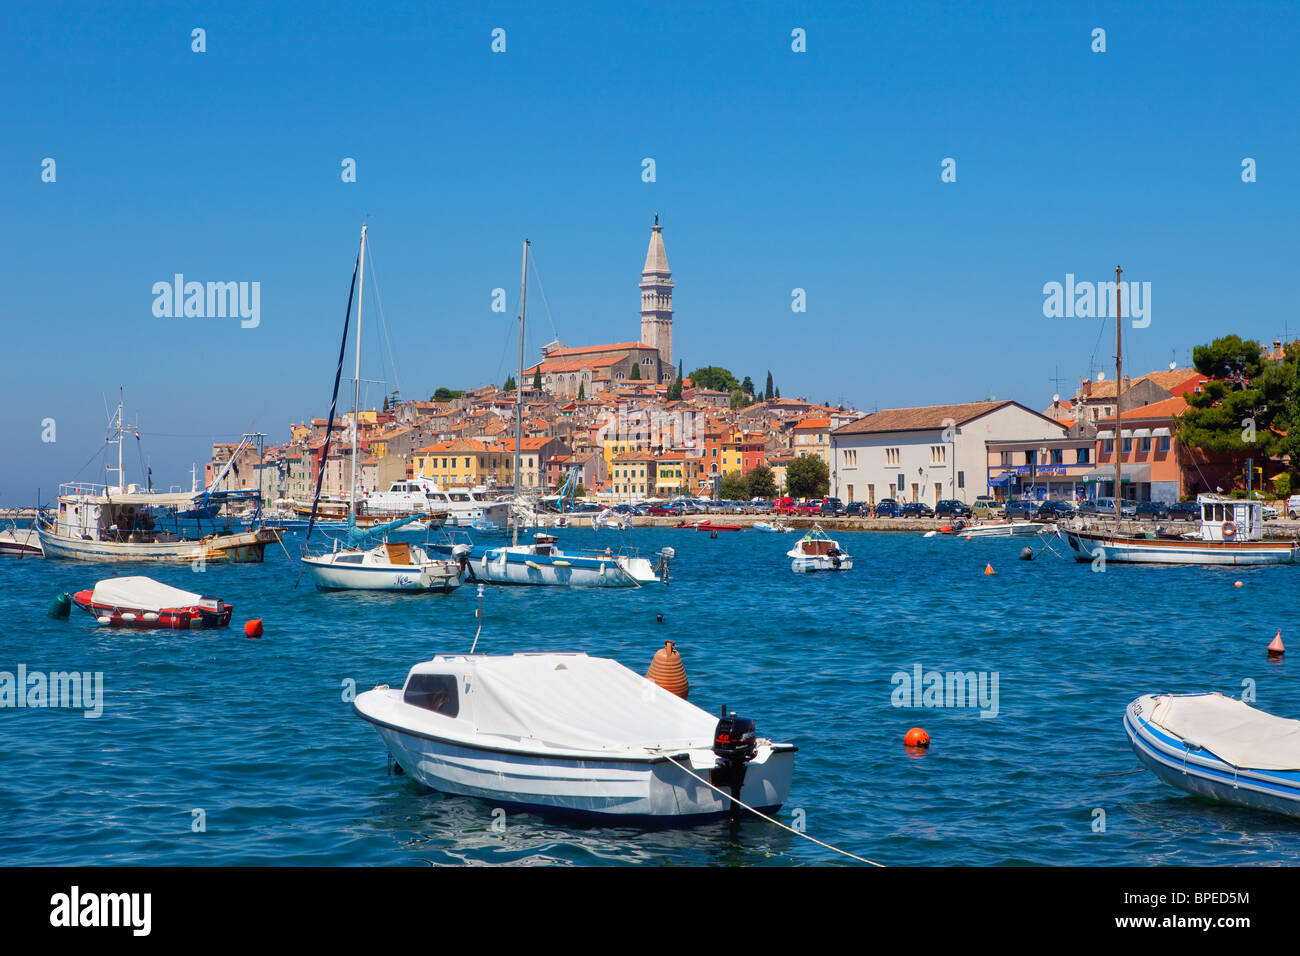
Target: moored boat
[1231,532]
[142,602]
[574,734]
[1218,748]
[816,551]
[20,542]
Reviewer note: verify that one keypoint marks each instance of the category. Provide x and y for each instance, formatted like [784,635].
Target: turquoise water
[257,735]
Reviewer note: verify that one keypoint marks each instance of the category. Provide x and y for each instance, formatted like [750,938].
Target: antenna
[1056,380]
[478,613]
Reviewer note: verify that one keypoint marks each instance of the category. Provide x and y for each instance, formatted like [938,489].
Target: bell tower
[657,302]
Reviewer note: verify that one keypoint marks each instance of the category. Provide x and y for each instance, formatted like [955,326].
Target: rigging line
[760,813]
[546,305]
[383,323]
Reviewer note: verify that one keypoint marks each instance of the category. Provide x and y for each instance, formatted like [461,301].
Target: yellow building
[464,461]
[632,475]
[675,474]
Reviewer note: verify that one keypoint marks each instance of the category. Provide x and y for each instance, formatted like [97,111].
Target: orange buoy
[668,671]
[916,737]
[1236,584]
[988,569]
[1275,647]
[946,528]
[968,537]
[253,628]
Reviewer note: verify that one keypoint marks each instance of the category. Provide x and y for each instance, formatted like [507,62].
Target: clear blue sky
[775,170]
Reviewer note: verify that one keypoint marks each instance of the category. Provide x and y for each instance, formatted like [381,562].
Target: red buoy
[253,628]
[916,737]
[1275,647]
[988,569]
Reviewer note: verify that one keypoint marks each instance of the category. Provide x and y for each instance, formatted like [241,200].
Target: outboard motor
[661,568]
[735,745]
[834,555]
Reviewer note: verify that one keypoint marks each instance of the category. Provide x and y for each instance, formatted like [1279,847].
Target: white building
[928,453]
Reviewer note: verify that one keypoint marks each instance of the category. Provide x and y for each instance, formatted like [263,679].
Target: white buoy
[103,619]
[128,616]
[150,617]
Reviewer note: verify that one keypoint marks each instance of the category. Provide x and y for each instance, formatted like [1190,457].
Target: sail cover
[142,593]
[1231,730]
[576,702]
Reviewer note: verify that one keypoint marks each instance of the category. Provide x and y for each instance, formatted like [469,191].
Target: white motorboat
[1218,748]
[20,542]
[385,566]
[776,528]
[816,551]
[572,734]
[996,529]
[542,563]
[1231,532]
[138,601]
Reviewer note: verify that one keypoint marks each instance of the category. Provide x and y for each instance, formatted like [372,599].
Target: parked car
[1106,506]
[952,508]
[1020,509]
[1293,507]
[670,511]
[917,509]
[1055,511]
[785,506]
[854,509]
[887,508]
[1185,511]
[986,507]
[1270,513]
[831,506]
[1156,510]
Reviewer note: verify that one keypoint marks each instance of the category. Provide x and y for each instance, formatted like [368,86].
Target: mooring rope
[759,813]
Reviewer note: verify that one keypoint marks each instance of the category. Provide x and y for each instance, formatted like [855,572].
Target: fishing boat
[354,564]
[121,522]
[541,562]
[142,602]
[1231,532]
[995,529]
[816,551]
[1218,748]
[572,734]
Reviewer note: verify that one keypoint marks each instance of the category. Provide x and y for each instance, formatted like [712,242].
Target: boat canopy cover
[156,499]
[1233,731]
[576,702]
[141,592]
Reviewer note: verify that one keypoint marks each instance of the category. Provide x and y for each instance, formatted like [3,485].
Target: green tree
[444,394]
[582,392]
[733,486]
[579,492]
[714,377]
[767,392]
[1248,407]
[762,482]
[537,379]
[635,375]
[510,384]
[674,393]
[747,386]
[778,394]
[807,477]
[739,399]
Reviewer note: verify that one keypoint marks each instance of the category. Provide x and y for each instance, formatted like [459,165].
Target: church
[595,368]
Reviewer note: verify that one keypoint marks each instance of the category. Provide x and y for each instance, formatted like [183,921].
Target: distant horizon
[919,175]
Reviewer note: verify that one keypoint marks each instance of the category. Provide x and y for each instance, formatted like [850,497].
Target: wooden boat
[572,734]
[1218,748]
[142,602]
[1231,532]
[19,542]
[707,525]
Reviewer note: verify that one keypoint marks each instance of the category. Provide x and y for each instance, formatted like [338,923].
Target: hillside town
[621,422]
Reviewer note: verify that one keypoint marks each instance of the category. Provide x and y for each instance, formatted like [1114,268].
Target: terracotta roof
[592,349]
[814,423]
[1163,409]
[458,445]
[922,418]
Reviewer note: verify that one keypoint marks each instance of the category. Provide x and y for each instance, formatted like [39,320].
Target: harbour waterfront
[257,737]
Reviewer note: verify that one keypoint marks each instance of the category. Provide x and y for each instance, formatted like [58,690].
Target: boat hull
[806,564]
[20,543]
[438,576]
[506,566]
[1088,546]
[237,548]
[650,788]
[1200,773]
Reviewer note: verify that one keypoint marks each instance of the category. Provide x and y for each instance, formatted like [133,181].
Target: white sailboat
[541,562]
[383,566]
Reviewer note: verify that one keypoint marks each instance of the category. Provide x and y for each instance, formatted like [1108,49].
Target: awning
[1160,433]
[1133,473]
[1141,433]
[1106,434]
[1003,479]
[1126,433]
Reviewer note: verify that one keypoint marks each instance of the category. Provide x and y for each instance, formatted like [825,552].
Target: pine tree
[582,392]
[510,384]
[767,392]
[537,379]
[635,376]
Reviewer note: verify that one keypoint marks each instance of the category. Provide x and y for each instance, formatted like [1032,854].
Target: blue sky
[775,170]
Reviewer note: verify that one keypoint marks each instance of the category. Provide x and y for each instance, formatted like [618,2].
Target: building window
[892,456]
[1164,443]
[961,479]
[1081,456]
[1128,445]
[1031,457]
[1058,456]
[1144,444]
[1107,446]
[1007,458]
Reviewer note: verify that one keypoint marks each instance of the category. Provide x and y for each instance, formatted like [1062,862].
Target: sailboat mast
[519,394]
[356,382]
[121,480]
[1119,391]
